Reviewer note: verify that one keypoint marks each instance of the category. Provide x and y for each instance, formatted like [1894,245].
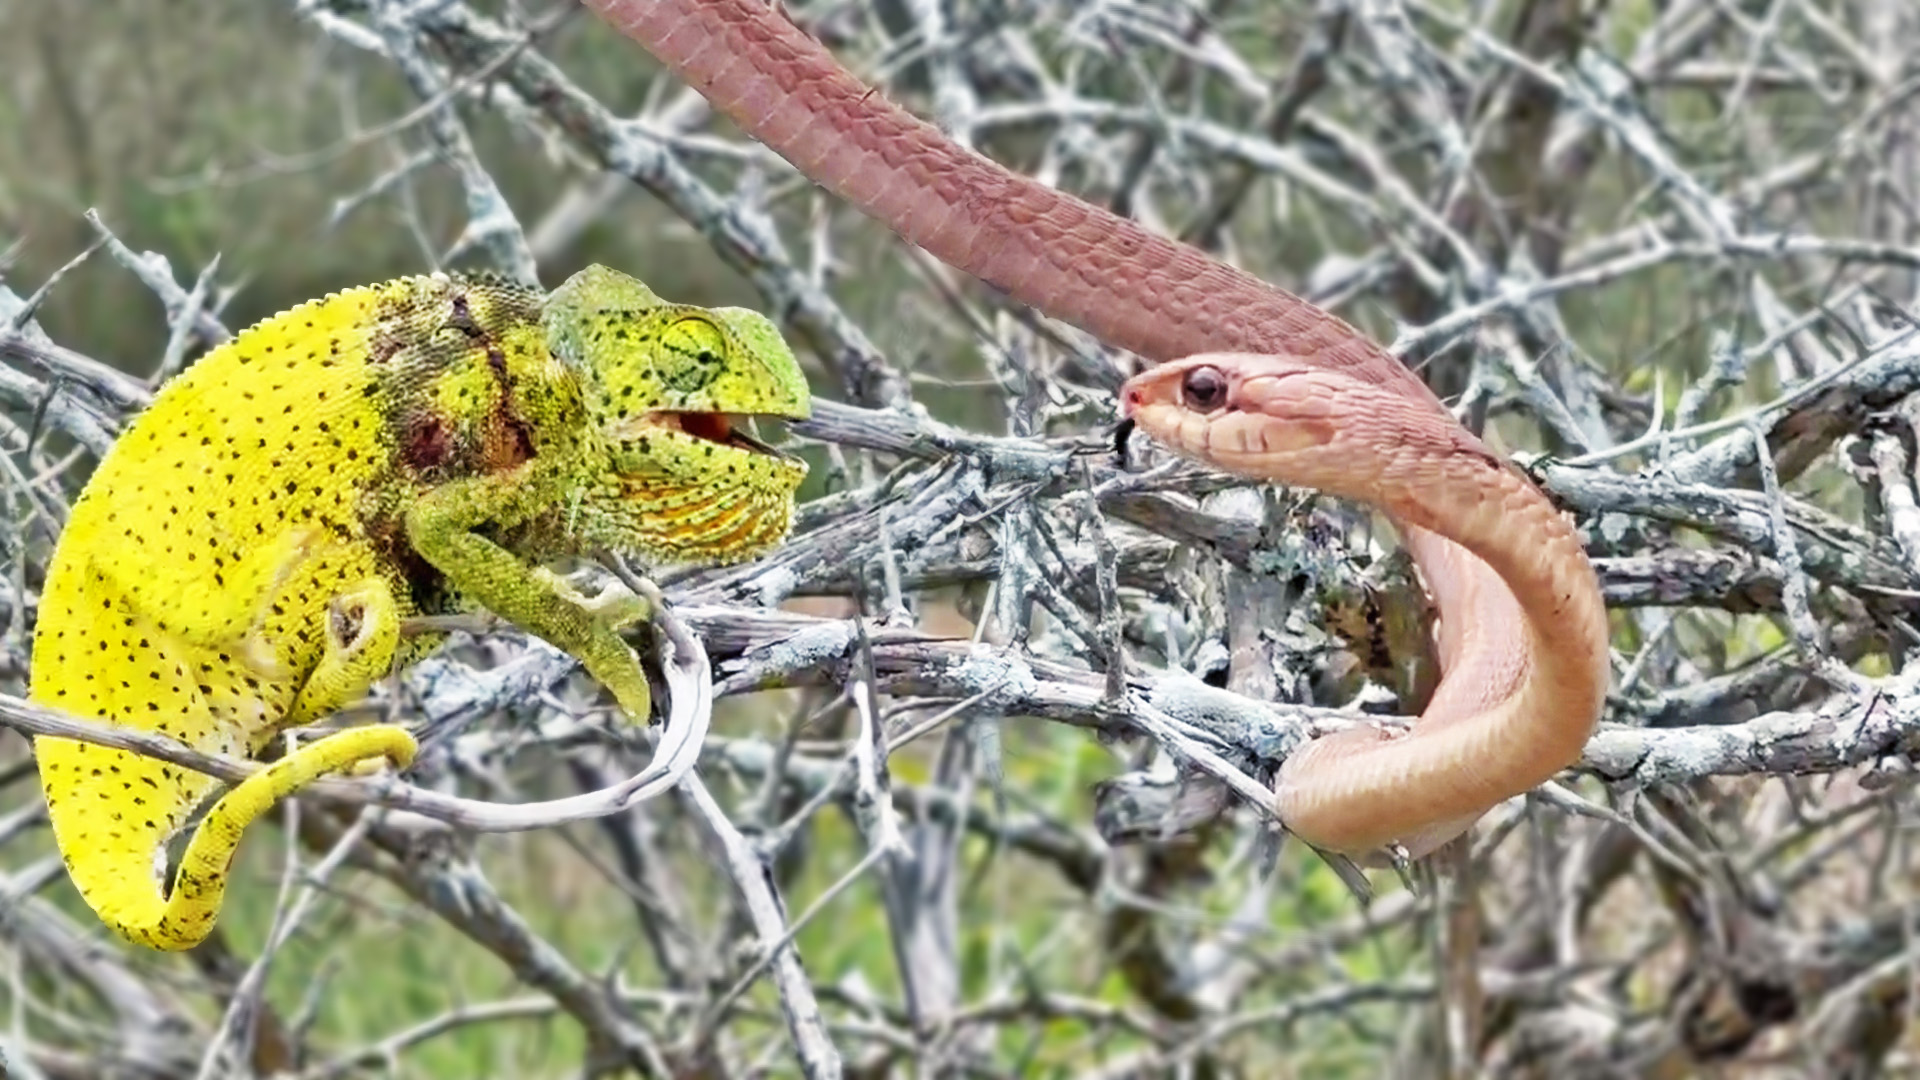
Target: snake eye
[1204,388]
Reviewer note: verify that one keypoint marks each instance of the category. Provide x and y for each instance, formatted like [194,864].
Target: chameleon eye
[695,338]
[1204,389]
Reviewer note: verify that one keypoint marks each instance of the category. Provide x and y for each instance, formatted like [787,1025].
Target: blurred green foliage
[171,128]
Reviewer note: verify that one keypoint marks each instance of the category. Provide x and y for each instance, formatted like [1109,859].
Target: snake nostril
[1204,388]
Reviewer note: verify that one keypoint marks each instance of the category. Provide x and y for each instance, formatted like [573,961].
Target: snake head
[1279,418]
[1236,411]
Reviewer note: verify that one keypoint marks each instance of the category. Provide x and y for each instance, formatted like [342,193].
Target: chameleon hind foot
[363,630]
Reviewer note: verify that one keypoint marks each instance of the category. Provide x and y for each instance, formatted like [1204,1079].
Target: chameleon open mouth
[722,428]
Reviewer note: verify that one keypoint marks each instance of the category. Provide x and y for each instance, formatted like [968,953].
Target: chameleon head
[667,388]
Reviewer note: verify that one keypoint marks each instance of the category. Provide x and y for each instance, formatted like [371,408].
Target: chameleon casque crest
[242,560]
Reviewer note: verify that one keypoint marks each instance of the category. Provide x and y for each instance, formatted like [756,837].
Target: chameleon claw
[347,623]
[615,605]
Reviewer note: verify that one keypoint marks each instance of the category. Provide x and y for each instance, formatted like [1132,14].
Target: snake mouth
[723,429]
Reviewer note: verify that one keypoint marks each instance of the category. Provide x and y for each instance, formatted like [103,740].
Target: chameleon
[245,557]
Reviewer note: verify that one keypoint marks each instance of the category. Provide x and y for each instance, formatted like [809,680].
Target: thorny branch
[1671,263]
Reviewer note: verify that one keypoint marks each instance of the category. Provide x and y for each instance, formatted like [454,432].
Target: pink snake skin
[1251,380]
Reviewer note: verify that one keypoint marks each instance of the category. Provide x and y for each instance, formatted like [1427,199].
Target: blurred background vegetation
[228,128]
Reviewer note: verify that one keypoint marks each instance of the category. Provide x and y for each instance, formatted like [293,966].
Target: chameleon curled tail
[132,904]
[113,811]
[242,561]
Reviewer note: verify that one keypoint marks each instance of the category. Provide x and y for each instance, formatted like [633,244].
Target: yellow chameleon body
[241,561]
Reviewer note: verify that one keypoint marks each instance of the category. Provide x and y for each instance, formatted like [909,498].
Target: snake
[1249,379]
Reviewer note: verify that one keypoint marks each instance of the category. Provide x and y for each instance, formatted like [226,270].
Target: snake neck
[1127,286]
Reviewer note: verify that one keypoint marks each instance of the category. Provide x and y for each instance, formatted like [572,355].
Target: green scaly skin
[243,559]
